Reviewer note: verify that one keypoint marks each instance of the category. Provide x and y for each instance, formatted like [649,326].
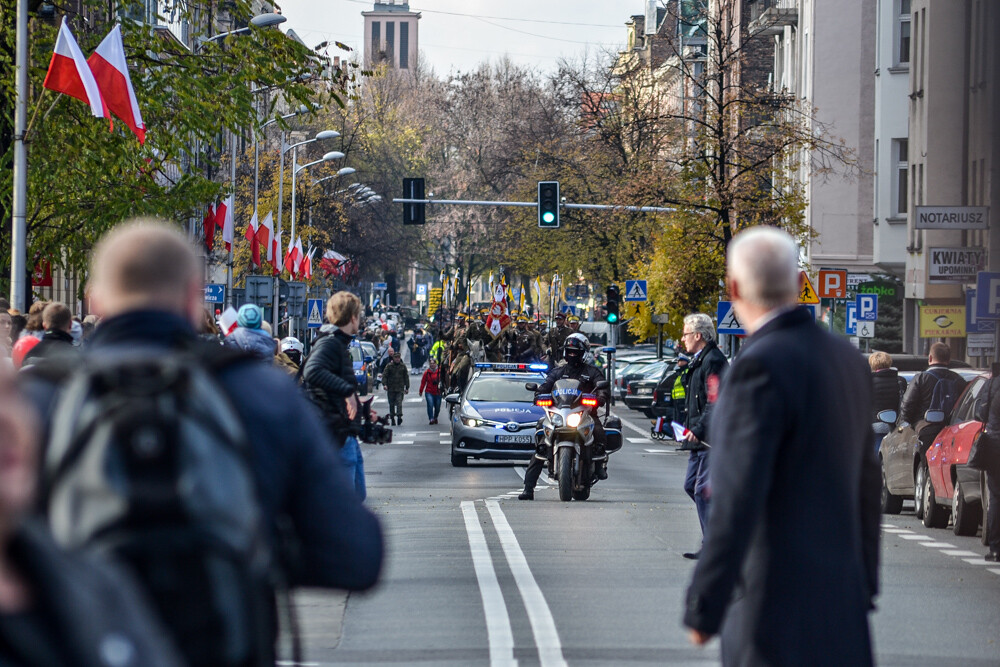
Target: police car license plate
[645,391]
[514,439]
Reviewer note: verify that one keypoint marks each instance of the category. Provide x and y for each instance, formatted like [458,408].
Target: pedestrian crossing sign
[727,320]
[315,317]
[635,290]
[808,293]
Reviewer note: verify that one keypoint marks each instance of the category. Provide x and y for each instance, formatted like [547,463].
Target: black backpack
[944,395]
[149,462]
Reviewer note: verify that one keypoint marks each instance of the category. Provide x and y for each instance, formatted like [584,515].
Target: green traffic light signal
[548,204]
[548,216]
[612,317]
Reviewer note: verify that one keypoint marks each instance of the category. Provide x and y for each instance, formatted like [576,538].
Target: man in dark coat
[917,398]
[705,373]
[789,567]
[57,340]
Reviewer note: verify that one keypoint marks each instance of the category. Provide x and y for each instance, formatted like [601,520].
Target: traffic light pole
[532,204]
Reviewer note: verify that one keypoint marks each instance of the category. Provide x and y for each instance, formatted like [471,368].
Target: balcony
[769,17]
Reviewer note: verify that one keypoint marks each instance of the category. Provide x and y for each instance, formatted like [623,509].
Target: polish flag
[227,221]
[209,224]
[265,231]
[276,262]
[251,236]
[111,73]
[307,272]
[299,255]
[69,74]
[291,258]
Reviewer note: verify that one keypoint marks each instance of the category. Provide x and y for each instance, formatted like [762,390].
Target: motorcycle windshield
[566,393]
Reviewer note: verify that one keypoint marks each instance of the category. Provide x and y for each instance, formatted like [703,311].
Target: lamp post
[325,134]
[332,155]
[19,235]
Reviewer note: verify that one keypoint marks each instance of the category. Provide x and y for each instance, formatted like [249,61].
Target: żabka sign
[952,217]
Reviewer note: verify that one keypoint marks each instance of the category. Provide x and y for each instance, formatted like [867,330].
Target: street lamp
[332,155]
[260,21]
[256,158]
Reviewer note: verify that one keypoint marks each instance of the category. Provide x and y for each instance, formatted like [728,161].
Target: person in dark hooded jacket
[887,386]
[250,335]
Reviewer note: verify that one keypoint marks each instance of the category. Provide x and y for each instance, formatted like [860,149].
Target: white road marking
[445,442]
[402,442]
[939,545]
[659,451]
[543,478]
[638,440]
[888,525]
[995,570]
[499,634]
[896,530]
[635,428]
[976,561]
[543,626]
[958,552]
[913,537]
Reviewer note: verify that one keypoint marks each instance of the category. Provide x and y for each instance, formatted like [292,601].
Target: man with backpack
[194,464]
[935,389]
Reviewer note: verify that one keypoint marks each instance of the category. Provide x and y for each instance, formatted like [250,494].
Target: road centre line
[543,626]
[935,545]
[499,634]
[896,530]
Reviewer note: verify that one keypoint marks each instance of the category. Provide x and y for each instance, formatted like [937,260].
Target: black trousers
[534,470]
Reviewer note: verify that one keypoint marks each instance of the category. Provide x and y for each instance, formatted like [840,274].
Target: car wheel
[965,515]
[890,504]
[458,460]
[935,516]
[918,491]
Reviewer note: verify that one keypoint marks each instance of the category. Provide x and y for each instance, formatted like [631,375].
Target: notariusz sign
[952,217]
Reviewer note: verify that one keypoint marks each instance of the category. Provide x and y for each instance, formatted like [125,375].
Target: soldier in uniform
[461,366]
[556,337]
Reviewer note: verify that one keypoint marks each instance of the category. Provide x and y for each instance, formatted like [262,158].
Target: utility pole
[19,235]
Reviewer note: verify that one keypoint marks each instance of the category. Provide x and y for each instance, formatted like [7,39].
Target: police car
[495,417]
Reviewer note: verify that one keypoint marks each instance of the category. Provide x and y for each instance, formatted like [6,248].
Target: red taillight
[656,395]
[628,389]
[589,402]
[544,402]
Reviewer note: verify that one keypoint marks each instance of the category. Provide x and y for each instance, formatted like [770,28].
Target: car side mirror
[934,416]
[454,399]
[531,386]
[887,416]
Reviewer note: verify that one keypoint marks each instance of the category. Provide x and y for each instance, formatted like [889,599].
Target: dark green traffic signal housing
[548,204]
[413,214]
[612,304]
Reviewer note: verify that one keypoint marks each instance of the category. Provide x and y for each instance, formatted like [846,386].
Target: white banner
[955,265]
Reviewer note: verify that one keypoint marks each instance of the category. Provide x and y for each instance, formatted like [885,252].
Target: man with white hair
[789,567]
[705,372]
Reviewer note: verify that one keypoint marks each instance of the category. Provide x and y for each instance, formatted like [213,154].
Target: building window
[376,35]
[902,32]
[390,38]
[900,184]
[404,45]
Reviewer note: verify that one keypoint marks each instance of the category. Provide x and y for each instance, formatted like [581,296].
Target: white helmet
[291,343]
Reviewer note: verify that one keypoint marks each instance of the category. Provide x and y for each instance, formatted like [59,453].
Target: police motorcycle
[566,436]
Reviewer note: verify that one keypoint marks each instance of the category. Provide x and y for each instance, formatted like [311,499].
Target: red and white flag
[299,255]
[291,263]
[307,272]
[498,318]
[110,70]
[209,225]
[251,235]
[69,73]
[265,230]
[225,213]
[276,262]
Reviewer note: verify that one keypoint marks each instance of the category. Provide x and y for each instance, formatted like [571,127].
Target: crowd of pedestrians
[102,426]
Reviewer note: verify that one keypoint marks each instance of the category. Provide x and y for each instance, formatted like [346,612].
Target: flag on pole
[69,73]
[290,263]
[251,235]
[299,255]
[265,235]
[498,318]
[538,289]
[276,247]
[442,277]
[492,286]
[111,74]
[226,209]
[521,298]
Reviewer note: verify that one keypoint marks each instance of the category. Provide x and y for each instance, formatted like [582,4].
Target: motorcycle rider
[574,350]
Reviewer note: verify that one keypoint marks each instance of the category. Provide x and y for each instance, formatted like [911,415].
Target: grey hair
[701,323]
[764,262]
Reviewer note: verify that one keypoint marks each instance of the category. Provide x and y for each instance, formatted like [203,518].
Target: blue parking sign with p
[987,295]
[852,320]
[867,305]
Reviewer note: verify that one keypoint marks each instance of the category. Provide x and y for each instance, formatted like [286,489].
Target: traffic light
[548,204]
[413,214]
[613,304]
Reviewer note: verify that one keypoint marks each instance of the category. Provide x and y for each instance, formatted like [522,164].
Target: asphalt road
[476,577]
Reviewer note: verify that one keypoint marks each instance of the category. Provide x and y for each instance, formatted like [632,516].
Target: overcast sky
[458,34]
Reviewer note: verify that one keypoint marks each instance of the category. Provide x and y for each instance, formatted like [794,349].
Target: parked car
[903,460]
[639,392]
[631,370]
[951,487]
